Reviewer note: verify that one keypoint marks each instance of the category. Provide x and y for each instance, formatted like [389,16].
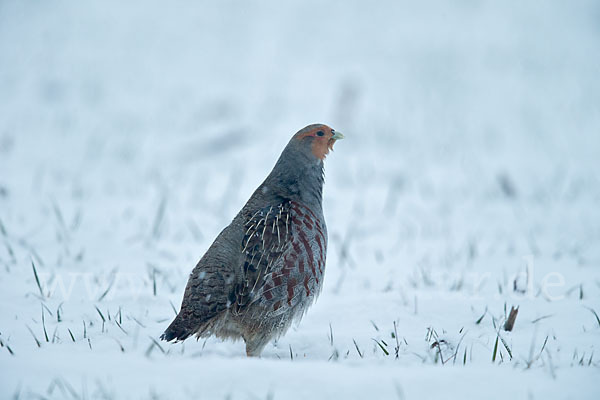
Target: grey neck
[297,176]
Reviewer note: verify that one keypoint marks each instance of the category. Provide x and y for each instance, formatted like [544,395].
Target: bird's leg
[255,345]
[250,354]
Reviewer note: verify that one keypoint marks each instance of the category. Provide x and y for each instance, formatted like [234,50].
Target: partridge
[266,268]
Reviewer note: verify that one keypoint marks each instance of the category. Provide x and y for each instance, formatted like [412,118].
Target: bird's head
[317,139]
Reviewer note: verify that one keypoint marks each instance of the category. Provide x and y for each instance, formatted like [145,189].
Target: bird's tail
[179,330]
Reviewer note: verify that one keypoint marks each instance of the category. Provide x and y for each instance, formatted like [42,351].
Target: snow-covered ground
[468,183]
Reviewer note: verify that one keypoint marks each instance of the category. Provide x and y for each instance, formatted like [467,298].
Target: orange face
[323,139]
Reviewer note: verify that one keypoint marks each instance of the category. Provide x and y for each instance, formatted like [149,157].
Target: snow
[131,133]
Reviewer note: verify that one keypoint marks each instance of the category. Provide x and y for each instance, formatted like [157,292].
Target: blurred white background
[132,132]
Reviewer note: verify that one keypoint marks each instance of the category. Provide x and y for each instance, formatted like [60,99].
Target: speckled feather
[285,249]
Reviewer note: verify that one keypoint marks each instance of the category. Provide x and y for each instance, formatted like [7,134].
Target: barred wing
[284,250]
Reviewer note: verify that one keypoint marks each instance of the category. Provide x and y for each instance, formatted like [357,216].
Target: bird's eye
[320,133]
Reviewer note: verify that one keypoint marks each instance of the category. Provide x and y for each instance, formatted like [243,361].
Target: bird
[266,267]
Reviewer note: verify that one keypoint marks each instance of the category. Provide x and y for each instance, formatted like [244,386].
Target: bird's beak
[337,136]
